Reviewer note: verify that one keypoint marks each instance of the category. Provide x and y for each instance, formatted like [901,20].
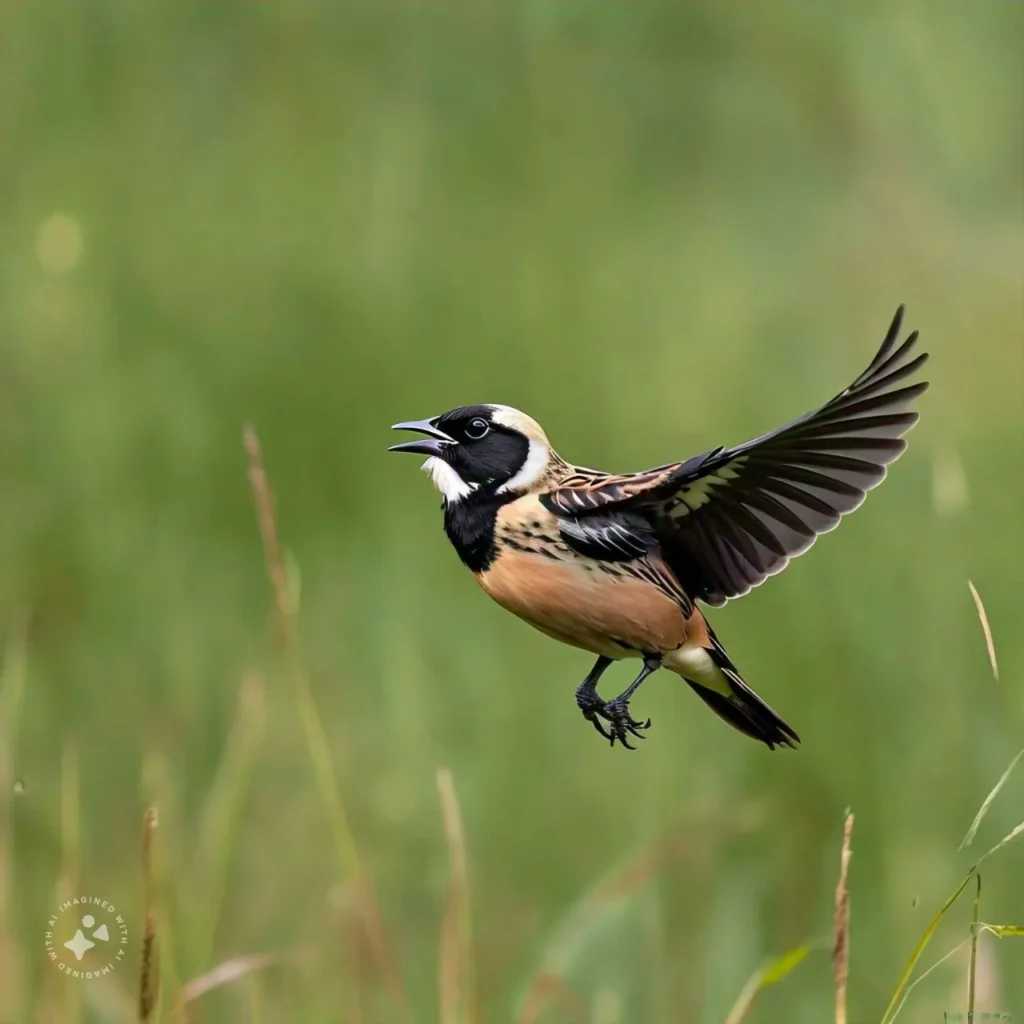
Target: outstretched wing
[728,519]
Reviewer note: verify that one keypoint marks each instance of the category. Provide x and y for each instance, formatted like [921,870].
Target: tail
[734,701]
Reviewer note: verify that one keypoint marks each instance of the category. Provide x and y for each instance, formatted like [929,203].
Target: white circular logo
[86,938]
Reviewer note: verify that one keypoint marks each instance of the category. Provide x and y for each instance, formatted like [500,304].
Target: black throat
[470,525]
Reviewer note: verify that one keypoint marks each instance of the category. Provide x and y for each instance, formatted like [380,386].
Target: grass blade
[897,997]
[1008,838]
[1005,931]
[896,1000]
[983,810]
[455,980]
[972,970]
[71,853]
[225,973]
[917,981]
[597,908]
[841,940]
[770,973]
[12,686]
[287,591]
[149,972]
[986,629]
[255,1001]
[547,988]
[158,791]
[222,809]
[614,889]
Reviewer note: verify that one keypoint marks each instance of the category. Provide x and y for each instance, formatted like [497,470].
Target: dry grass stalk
[973,968]
[71,858]
[455,971]
[547,988]
[286,599]
[547,983]
[986,629]
[841,940]
[769,973]
[225,973]
[983,810]
[267,519]
[12,682]
[149,971]
[222,810]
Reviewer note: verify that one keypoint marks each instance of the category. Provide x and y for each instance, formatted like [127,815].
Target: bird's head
[494,447]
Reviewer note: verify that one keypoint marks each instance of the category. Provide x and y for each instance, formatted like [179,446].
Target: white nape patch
[536,463]
[506,416]
[447,480]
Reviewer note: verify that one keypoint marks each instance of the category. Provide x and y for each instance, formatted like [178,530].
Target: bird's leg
[617,710]
[587,698]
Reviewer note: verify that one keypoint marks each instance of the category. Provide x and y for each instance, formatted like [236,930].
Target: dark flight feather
[731,517]
[616,537]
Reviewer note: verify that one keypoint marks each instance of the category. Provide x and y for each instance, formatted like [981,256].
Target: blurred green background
[656,229]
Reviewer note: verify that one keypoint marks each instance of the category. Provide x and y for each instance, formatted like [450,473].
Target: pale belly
[576,601]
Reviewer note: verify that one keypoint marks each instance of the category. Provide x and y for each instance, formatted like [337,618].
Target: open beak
[434,442]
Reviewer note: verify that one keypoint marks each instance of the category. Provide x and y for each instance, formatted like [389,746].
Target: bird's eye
[477,428]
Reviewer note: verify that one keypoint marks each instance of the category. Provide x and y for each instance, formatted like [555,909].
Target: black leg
[587,698]
[617,710]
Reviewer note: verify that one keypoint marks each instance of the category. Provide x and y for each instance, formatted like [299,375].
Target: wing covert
[619,537]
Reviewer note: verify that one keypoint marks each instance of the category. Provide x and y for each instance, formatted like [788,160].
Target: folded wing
[728,519]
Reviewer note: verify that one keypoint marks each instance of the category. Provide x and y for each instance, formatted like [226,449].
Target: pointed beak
[433,444]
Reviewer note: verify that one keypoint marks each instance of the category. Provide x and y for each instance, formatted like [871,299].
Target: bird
[619,565]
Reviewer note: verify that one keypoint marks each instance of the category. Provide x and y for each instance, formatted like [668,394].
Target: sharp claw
[621,724]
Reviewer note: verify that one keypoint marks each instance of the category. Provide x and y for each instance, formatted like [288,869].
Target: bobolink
[616,564]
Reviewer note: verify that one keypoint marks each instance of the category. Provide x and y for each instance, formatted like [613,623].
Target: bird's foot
[592,706]
[622,723]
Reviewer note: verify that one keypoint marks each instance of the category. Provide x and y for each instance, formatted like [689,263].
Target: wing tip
[897,319]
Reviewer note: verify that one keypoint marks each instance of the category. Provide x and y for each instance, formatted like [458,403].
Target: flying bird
[616,565]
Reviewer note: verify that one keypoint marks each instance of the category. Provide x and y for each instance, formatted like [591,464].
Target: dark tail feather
[743,709]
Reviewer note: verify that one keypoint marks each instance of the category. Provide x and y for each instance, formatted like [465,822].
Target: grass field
[656,229]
